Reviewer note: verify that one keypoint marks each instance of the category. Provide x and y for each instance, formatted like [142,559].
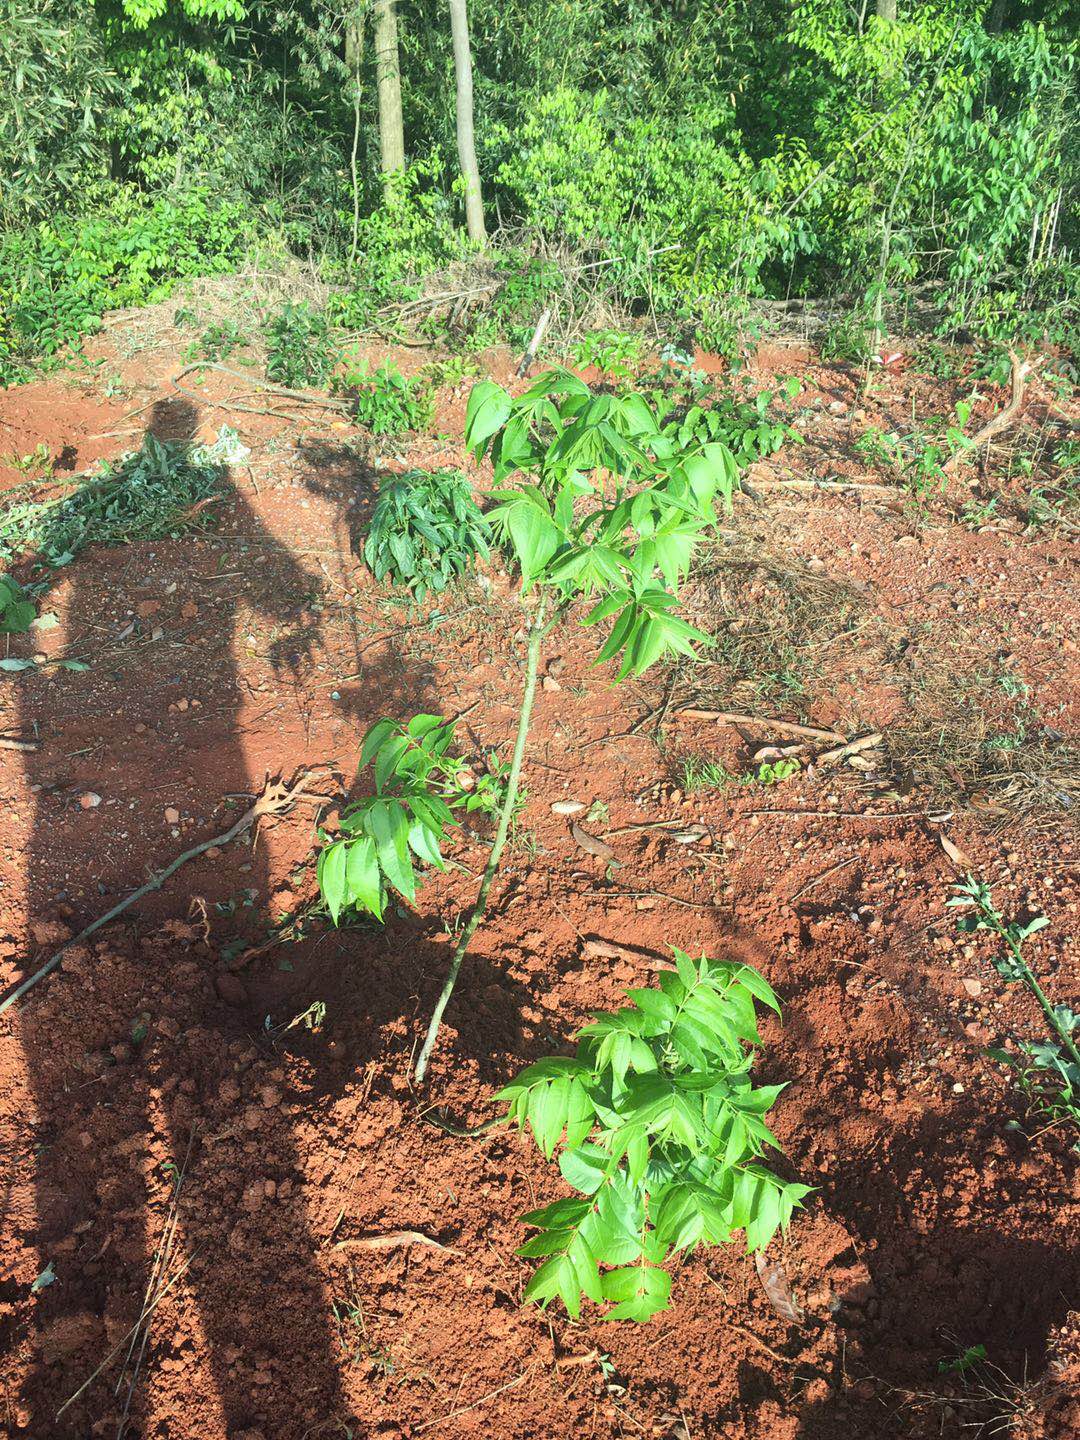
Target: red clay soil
[166,1043]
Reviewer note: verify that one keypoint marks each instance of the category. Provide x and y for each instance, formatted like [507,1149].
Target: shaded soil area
[218,1037]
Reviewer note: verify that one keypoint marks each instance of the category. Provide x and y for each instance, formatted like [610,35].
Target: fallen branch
[393,1240]
[9,742]
[874,489]
[304,397]
[1021,369]
[783,727]
[276,799]
[841,752]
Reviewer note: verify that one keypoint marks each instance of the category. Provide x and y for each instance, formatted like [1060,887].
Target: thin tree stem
[1040,995]
[532,665]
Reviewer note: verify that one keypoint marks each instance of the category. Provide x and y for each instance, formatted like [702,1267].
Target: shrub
[16,611]
[298,346]
[59,277]
[425,529]
[386,401]
[659,1130]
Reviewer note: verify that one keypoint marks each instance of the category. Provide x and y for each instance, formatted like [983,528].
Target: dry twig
[277,798]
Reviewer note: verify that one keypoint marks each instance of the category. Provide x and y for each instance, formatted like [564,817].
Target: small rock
[89,800]
[549,683]
[189,610]
[972,986]
[172,815]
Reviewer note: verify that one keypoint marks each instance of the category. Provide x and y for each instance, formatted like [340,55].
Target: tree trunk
[466,141]
[354,49]
[388,81]
[996,17]
[886,9]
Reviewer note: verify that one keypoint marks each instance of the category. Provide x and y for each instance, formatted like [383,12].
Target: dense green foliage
[425,529]
[385,401]
[660,1132]
[704,154]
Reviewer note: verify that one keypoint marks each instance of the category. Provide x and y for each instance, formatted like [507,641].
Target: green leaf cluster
[747,428]
[426,529]
[418,788]
[298,350]
[605,506]
[17,613]
[659,1132]
[385,401]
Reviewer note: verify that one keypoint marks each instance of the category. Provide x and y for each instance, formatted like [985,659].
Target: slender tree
[466,139]
[886,9]
[388,82]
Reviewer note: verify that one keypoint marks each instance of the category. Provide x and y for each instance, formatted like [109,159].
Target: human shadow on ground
[144,1056]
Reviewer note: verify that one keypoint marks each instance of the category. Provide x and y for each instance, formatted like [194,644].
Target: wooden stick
[864,742]
[1021,369]
[9,742]
[784,727]
[307,398]
[534,344]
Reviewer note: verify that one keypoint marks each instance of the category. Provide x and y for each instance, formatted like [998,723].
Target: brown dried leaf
[592,845]
[777,1289]
[955,854]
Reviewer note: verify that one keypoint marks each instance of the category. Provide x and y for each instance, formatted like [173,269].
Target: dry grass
[772,623]
[972,734]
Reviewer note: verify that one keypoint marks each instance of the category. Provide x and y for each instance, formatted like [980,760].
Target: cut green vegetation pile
[158,491]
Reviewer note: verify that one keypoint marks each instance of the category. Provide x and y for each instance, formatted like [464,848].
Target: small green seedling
[418,786]
[967,1360]
[217,342]
[700,774]
[748,429]
[659,1132]
[40,459]
[298,346]
[386,401]
[1049,1069]
[426,529]
[17,613]
[614,353]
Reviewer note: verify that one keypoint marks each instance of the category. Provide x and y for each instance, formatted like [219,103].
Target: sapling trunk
[528,695]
